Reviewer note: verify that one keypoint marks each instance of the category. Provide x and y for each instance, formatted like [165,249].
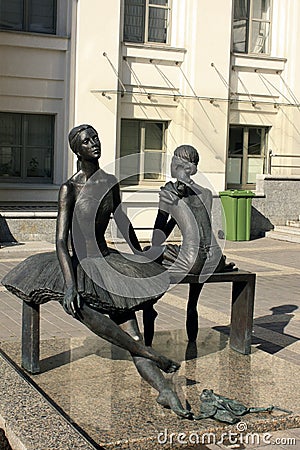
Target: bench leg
[149,316]
[31,337]
[191,312]
[242,315]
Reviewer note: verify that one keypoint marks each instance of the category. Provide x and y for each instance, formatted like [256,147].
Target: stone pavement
[277,308]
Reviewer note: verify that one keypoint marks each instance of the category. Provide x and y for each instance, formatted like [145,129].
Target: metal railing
[273,155]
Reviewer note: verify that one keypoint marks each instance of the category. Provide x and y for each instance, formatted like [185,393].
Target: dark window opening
[26,147]
[36,16]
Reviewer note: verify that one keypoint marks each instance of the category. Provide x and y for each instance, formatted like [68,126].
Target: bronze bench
[242,304]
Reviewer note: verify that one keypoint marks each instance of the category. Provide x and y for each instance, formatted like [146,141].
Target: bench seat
[242,305]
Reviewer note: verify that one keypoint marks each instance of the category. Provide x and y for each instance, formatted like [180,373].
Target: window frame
[244,184]
[249,30]
[23,145]
[145,39]
[26,20]
[143,150]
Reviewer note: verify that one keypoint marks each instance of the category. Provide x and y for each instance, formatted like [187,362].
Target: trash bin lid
[228,193]
[237,193]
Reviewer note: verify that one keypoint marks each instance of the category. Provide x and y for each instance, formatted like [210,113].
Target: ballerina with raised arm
[188,205]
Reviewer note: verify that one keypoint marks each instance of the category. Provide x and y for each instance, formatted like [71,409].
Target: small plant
[6,168]
[33,163]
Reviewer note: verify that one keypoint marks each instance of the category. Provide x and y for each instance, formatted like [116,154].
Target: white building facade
[149,75]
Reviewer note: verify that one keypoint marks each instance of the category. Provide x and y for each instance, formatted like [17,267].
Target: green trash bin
[237,212]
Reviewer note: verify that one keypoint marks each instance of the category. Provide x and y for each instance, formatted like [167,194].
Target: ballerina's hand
[168,197]
[71,301]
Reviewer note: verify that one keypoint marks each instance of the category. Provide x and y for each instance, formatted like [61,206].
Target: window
[145,142]
[26,147]
[37,16]
[251,26]
[146,20]
[246,155]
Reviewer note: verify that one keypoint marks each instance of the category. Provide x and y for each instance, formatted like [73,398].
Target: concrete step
[285,233]
[293,223]
[22,229]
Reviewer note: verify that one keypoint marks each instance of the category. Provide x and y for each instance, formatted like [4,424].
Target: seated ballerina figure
[99,286]
[188,205]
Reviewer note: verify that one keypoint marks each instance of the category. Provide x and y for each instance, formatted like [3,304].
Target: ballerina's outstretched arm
[66,202]
[162,227]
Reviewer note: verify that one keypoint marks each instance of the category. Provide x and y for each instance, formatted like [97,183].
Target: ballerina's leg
[107,329]
[150,372]
[149,316]
[191,312]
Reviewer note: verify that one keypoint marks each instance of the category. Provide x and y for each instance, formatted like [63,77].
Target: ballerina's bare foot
[167,365]
[164,363]
[168,399]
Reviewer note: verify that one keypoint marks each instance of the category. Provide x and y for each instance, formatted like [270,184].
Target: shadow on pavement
[269,335]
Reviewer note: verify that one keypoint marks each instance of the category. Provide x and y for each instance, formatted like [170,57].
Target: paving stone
[277,287]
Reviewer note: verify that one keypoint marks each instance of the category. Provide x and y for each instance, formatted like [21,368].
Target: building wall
[186,69]
[35,78]
[267,90]
[280,202]
[180,84]
[194,83]
[98,32]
